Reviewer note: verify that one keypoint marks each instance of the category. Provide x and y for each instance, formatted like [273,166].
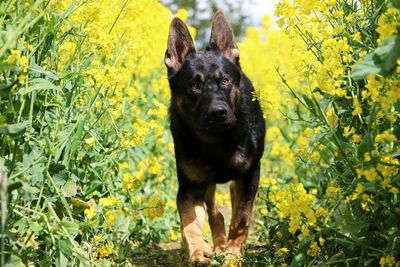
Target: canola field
[87,168]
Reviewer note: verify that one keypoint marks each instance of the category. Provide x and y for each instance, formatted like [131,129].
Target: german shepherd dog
[218,131]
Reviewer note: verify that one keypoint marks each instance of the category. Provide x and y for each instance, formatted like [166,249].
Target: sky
[258,8]
[255,9]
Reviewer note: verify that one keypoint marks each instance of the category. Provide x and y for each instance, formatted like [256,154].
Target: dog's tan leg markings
[243,194]
[241,213]
[216,220]
[192,213]
[234,199]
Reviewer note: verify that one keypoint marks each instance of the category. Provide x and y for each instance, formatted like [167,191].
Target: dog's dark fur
[218,132]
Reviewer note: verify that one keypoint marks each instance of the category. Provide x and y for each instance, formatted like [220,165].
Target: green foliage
[73,194]
[383,60]
[87,172]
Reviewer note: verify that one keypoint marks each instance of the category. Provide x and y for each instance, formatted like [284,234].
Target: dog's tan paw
[200,258]
[219,249]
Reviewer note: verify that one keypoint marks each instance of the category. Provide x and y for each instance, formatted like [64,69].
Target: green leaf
[70,189]
[309,102]
[337,258]
[65,247]
[38,84]
[346,243]
[76,139]
[62,261]
[14,261]
[298,259]
[366,144]
[396,3]
[382,60]
[71,227]
[365,68]
[36,68]
[94,185]
[14,129]
[83,256]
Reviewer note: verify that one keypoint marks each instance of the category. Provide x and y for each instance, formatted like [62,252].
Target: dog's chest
[205,170]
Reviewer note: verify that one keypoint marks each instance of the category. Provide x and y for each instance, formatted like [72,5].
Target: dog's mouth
[217,126]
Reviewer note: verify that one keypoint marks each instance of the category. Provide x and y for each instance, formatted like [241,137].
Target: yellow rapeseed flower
[90,141]
[314,249]
[108,202]
[90,213]
[332,117]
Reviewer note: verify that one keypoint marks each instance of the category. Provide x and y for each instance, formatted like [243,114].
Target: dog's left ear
[222,37]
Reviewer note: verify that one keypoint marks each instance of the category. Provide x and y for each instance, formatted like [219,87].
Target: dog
[218,131]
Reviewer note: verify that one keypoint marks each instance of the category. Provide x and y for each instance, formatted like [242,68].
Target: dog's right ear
[180,44]
[222,37]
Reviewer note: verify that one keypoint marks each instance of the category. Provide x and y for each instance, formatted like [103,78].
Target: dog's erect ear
[180,44]
[222,37]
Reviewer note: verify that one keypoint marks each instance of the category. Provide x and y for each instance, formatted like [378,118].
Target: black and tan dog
[218,132]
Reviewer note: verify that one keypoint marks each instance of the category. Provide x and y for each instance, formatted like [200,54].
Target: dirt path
[168,254]
[173,253]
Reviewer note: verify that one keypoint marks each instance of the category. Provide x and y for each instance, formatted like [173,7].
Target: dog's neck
[206,138]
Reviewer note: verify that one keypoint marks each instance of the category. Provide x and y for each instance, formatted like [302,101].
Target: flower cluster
[332,143]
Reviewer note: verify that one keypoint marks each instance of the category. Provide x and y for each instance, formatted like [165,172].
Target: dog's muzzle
[219,118]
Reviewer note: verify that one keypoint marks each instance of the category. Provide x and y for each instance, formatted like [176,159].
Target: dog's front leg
[243,192]
[216,220]
[192,211]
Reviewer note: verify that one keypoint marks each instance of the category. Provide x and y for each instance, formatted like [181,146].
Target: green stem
[41,215]
[3,198]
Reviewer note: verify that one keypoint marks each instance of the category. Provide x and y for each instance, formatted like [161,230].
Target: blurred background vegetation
[201,12]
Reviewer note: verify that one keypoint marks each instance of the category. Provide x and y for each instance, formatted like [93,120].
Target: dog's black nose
[218,113]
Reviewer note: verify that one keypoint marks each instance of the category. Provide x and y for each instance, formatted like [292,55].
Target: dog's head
[204,85]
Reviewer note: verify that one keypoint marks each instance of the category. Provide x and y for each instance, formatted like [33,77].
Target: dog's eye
[224,81]
[195,86]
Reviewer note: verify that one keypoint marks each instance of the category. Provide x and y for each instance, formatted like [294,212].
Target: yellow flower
[338,13]
[123,166]
[392,117]
[97,238]
[321,212]
[347,132]
[357,107]
[108,202]
[357,36]
[387,261]
[332,117]
[155,208]
[314,249]
[332,191]
[263,211]
[356,138]
[182,14]
[105,251]
[90,213]
[172,235]
[385,136]
[129,182]
[14,57]
[359,189]
[110,218]
[294,202]
[394,190]
[22,79]
[90,141]
[284,250]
